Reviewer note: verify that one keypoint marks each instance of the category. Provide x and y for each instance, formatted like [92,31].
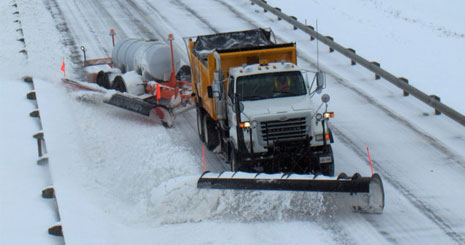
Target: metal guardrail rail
[47,192]
[430,100]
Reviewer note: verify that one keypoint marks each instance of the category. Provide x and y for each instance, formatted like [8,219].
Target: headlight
[245,125]
[328,115]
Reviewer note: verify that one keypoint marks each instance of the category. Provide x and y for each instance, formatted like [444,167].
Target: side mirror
[325,98]
[320,81]
[241,108]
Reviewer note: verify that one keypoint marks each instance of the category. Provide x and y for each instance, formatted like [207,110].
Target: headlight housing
[245,124]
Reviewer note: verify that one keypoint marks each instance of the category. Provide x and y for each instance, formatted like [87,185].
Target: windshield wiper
[254,97]
[287,93]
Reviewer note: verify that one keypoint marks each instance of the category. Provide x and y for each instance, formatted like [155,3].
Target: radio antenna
[317,49]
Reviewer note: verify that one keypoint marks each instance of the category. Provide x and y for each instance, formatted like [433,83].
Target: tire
[102,80]
[210,134]
[328,170]
[235,164]
[200,129]
[184,73]
[119,85]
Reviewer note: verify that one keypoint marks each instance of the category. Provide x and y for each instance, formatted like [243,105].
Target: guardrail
[47,192]
[431,100]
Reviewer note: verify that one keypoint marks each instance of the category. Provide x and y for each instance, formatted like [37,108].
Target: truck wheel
[102,80]
[119,85]
[235,164]
[328,170]
[200,129]
[210,134]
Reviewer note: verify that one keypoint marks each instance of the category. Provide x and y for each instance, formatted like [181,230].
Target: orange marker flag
[369,159]
[158,92]
[63,67]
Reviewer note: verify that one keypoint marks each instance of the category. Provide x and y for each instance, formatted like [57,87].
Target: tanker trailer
[143,73]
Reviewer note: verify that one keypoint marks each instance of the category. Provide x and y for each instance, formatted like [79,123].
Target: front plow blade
[367,192]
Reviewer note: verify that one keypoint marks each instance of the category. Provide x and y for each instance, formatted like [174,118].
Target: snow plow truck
[254,106]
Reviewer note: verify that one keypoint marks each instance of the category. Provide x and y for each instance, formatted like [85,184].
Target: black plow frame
[342,183]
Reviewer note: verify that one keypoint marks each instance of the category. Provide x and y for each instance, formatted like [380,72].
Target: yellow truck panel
[203,71]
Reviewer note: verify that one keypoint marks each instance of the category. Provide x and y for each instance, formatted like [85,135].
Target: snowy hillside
[121,178]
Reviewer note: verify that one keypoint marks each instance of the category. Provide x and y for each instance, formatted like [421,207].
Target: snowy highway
[121,178]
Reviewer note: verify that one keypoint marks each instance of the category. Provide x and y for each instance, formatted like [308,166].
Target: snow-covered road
[122,179]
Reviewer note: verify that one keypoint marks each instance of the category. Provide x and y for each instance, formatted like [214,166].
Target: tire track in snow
[97,5]
[327,222]
[445,226]
[147,25]
[422,206]
[67,38]
[302,54]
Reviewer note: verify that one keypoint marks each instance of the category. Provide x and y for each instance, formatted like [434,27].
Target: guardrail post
[377,77]
[435,97]
[332,39]
[352,62]
[34,113]
[264,9]
[279,18]
[48,192]
[295,18]
[313,29]
[28,79]
[39,136]
[405,80]
[31,95]
[56,230]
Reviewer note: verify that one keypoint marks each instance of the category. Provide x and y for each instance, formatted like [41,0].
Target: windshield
[270,85]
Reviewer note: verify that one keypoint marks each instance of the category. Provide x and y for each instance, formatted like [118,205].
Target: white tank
[151,59]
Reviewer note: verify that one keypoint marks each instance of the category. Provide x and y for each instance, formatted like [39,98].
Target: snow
[121,178]
[421,41]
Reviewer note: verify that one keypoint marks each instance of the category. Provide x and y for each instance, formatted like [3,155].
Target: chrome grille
[288,130]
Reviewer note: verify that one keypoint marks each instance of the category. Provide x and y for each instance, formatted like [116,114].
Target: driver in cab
[282,84]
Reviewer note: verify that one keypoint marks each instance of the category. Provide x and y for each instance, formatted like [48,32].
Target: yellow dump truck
[254,107]
[276,125]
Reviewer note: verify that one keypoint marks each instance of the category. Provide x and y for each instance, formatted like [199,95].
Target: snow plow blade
[140,106]
[369,190]
[131,104]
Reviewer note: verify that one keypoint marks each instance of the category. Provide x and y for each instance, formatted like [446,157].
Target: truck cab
[277,113]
